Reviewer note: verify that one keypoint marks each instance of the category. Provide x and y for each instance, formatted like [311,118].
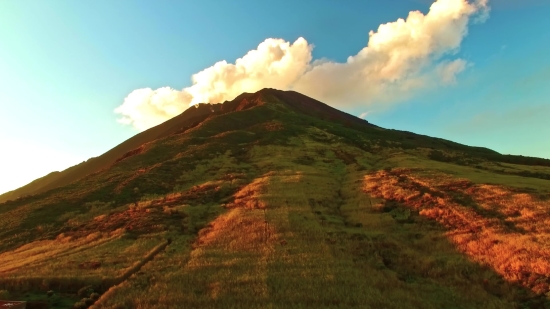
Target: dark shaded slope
[179,124]
[35,185]
[309,106]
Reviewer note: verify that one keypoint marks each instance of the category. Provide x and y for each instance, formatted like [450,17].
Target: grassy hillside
[56,179]
[279,202]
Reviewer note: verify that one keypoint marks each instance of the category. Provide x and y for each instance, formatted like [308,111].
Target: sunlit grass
[37,252]
[493,225]
[481,176]
[307,236]
[108,259]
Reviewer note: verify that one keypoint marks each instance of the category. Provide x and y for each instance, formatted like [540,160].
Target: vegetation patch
[496,226]
[270,201]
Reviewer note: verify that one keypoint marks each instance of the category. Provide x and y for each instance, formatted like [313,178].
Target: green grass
[319,242]
[107,258]
[55,301]
[477,175]
[267,207]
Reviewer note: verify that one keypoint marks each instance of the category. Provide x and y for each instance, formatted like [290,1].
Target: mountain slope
[200,112]
[277,200]
[76,172]
[187,119]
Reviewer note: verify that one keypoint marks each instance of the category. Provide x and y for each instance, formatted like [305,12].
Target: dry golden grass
[493,225]
[97,255]
[228,261]
[306,236]
[41,251]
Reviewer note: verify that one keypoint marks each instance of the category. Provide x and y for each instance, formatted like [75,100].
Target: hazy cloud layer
[400,58]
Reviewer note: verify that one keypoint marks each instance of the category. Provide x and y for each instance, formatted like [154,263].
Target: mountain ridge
[199,113]
[187,119]
[274,200]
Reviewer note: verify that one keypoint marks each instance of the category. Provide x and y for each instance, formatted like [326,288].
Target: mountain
[188,119]
[277,200]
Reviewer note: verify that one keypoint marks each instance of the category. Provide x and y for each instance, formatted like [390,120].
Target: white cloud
[145,108]
[448,70]
[400,58]
[275,63]
[364,115]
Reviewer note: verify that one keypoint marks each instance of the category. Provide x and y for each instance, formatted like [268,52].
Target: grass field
[268,208]
[101,258]
[309,236]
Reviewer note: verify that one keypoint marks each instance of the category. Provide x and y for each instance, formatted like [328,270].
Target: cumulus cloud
[400,58]
[448,70]
[275,63]
[145,108]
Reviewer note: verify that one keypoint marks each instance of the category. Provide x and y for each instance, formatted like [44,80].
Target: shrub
[80,305]
[85,291]
[4,294]
[401,214]
[54,300]
[88,301]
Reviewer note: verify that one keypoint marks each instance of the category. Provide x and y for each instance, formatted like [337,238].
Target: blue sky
[66,65]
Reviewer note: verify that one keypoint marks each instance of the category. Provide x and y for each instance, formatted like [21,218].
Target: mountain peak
[295,101]
[190,118]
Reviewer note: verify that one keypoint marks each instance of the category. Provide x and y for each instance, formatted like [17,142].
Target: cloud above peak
[401,57]
[275,63]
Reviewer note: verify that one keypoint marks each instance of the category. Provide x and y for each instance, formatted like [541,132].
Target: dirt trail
[111,285]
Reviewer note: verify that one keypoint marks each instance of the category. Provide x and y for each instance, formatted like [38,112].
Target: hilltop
[277,200]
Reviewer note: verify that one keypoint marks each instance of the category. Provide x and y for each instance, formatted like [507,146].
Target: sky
[79,77]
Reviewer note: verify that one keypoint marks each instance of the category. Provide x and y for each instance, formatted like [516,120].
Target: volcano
[275,199]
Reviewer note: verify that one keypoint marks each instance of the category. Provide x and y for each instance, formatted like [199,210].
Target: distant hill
[276,200]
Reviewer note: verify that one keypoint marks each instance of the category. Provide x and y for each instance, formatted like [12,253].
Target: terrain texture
[275,200]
